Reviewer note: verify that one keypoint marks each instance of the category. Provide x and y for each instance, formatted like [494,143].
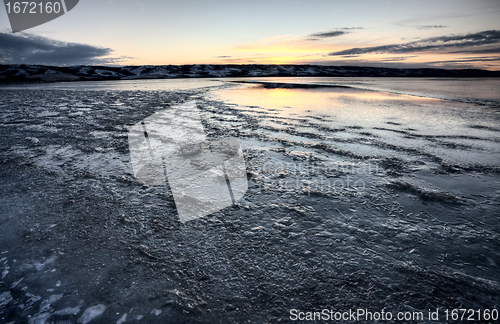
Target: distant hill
[40,73]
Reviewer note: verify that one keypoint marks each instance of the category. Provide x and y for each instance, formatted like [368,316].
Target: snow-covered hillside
[37,73]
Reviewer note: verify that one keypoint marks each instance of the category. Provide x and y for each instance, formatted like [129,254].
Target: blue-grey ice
[122,319]
[15,283]
[91,313]
[39,265]
[156,312]
[5,298]
[68,311]
[40,318]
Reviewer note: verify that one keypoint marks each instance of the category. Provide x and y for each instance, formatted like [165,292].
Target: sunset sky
[445,34]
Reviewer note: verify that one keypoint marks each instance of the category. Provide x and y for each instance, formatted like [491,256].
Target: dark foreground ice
[357,199]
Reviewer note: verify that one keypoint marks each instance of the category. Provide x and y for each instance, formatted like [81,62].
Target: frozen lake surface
[380,194]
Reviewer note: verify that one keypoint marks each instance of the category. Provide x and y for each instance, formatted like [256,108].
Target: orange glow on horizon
[298,51]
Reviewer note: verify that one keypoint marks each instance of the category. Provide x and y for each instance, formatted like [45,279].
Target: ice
[91,313]
[122,319]
[394,124]
[45,305]
[68,311]
[422,232]
[39,318]
[32,299]
[156,312]
[135,85]
[47,114]
[14,284]
[492,262]
[5,298]
[40,265]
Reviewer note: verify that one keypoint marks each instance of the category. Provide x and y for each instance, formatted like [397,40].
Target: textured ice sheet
[421,233]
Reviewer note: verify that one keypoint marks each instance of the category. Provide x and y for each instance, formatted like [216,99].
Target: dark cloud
[223,56]
[396,59]
[423,21]
[468,62]
[333,33]
[494,50]
[350,28]
[430,44]
[471,59]
[31,49]
[401,64]
[431,26]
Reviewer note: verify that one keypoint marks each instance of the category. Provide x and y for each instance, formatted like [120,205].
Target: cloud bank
[464,42]
[24,48]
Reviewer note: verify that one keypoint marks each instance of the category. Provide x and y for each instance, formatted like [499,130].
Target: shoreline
[39,73]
